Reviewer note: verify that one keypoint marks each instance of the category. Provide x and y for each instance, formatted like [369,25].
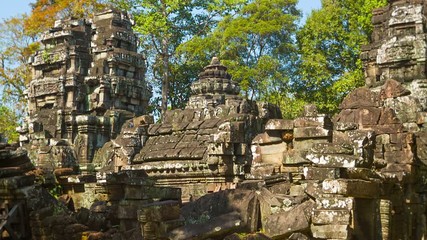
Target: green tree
[165,25]
[8,124]
[256,42]
[329,45]
[15,49]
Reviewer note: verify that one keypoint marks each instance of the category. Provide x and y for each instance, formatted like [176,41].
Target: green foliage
[256,42]
[56,191]
[15,49]
[163,26]
[329,45]
[8,124]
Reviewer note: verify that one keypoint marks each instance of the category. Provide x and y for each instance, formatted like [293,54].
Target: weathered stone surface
[344,126]
[388,116]
[360,173]
[393,89]
[277,225]
[333,160]
[314,189]
[368,116]
[273,154]
[279,124]
[406,107]
[334,231]
[298,236]
[268,204]
[314,121]
[214,205]
[421,140]
[219,226]
[151,192]
[333,148]
[159,211]
[360,98]
[404,156]
[323,217]
[422,118]
[261,170]
[294,157]
[351,187]
[312,132]
[16,182]
[310,110]
[320,173]
[266,138]
[335,203]
[159,230]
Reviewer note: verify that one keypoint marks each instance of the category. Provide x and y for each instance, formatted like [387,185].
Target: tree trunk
[165,79]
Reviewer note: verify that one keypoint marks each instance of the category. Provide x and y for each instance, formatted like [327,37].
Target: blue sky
[14,7]
[307,6]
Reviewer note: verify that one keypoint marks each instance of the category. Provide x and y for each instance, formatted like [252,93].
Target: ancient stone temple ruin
[87,81]
[205,147]
[224,167]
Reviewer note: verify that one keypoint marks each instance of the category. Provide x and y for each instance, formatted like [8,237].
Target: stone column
[385,216]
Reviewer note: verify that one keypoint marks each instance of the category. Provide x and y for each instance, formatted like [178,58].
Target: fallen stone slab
[217,227]
[216,204]
[283,224]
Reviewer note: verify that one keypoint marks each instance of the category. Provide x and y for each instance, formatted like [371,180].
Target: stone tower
[88,79]
[398,49]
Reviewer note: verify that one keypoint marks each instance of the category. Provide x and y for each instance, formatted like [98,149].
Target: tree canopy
[256,42]
[164,26]
[15,48]
[329,47]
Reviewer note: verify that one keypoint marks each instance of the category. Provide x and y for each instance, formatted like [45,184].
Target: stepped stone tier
[88,79]
[208,141]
